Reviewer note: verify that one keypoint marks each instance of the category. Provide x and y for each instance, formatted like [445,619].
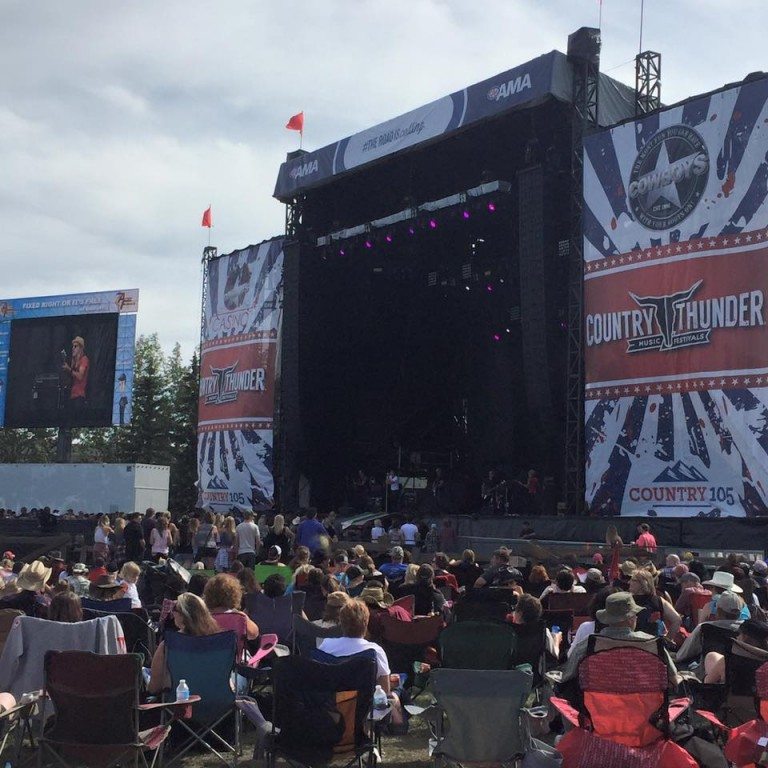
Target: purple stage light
[465,214]
[411,231]
[496,337]
[432,224]
[489,288]
[368,244]
[491,207]
[341,252]
[388,238]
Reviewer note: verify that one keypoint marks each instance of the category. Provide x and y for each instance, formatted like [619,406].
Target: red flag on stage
[296,123]
[207,218]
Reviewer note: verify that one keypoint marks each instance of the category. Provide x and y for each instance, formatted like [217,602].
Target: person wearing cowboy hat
[619,620]
[25,592]
[722,581]
[727,617]
[106,588]
[379,602]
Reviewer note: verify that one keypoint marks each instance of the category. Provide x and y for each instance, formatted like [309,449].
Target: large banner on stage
[675,292]
[238,362]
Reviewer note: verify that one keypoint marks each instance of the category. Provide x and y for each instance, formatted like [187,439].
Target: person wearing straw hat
[619,620]
[106,588]
[23,593]
[722,581]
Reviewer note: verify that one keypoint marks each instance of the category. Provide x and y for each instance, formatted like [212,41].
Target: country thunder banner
[676,315]
[241,334]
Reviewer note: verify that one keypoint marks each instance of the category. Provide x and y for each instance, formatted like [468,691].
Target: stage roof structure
[525,86]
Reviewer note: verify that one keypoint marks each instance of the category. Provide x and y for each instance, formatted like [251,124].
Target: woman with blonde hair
[101,535]
[192,617]
[642,586]
[227,536]
[279,536]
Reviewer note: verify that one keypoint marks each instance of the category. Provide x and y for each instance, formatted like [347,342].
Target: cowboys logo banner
[675,292]
[241,333]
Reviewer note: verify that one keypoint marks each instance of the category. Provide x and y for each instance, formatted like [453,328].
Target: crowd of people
[634,598]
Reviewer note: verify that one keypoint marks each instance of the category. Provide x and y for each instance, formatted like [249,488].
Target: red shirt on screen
[79,384]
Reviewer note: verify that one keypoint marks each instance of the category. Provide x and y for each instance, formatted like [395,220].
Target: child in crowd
[129,576]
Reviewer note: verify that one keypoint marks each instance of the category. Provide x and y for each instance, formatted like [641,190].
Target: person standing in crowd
[148,523]
[330,526]
[393,491]
[311,533]
[118,539]
[206,539]
[410,533]
[160,539]
[227,539]
[279,536]
[645,538]
[247,541]
[101,536]
[77,580]
[133,535]
[377,531]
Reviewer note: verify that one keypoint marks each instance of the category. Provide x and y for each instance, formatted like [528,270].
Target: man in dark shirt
[148,523]
[133,536]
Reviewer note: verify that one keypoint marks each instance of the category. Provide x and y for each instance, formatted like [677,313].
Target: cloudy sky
[121,121]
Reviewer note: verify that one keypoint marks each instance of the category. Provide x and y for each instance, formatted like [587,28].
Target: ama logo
[305,169]
[510,88]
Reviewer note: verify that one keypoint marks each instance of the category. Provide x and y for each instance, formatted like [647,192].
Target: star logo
[668,177]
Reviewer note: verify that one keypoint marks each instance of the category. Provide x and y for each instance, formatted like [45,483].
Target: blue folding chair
[123,605]
[207,664]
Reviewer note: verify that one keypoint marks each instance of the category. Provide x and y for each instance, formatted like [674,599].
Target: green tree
[146,439]
[27,446]
[183,383]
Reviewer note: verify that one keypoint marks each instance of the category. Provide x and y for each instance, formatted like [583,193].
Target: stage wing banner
[241,336]
[675,289]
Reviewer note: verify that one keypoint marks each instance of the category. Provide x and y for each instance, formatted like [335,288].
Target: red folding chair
[623,713]
[699,610]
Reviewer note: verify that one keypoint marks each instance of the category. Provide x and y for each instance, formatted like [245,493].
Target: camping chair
[699,608]
[741,665]
[7,615]
[306,635]
[483,604]
[407,602]
[237,623]
[406,641]
[206,663]
[622,713]
[531,648]
[275,615]
[139,635]
[743,748]
[96,701]
[578,602]
[483,710]
[322,712]
[478,645]
[714,638]
[123,605]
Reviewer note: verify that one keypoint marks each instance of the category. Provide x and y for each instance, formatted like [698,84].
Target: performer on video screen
[77,367]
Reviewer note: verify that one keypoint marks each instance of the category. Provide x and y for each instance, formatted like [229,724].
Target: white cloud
[121,122]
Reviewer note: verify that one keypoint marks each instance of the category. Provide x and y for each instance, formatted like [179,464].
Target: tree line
[163,428]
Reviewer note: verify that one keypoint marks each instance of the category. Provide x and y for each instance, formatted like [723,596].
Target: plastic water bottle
[380,700]
[182,691]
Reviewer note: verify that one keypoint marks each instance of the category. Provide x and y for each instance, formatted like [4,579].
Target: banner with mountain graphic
[238,377]
[675,315]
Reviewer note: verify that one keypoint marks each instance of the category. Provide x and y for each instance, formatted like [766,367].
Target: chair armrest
[566,709]
[181,709]
[712,719]
[677,707]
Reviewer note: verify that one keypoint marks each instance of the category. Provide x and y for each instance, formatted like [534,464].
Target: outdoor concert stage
[425,299]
